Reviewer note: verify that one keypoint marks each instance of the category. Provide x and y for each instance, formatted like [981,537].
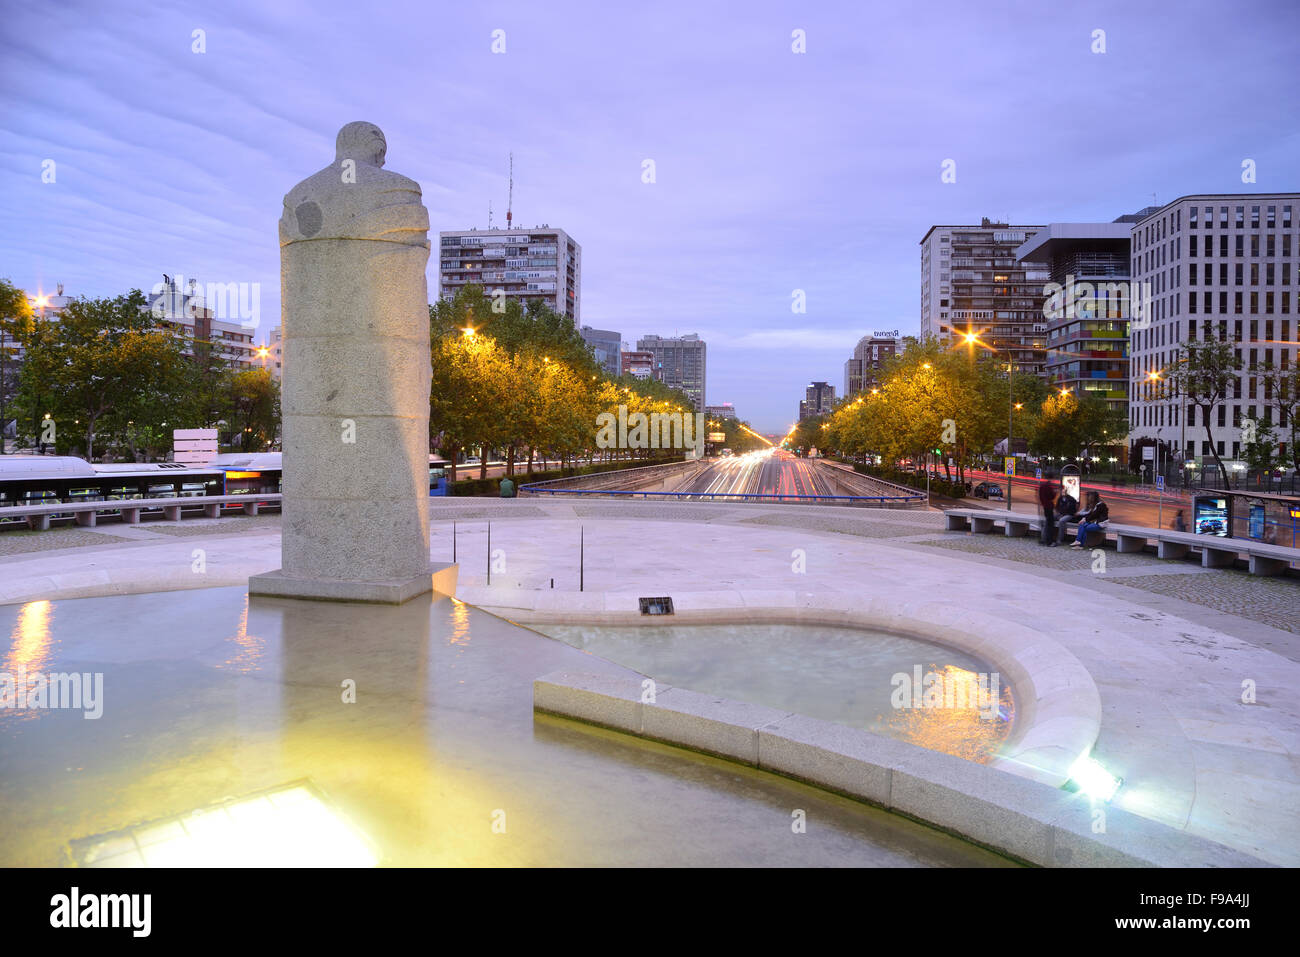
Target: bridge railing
[733,496]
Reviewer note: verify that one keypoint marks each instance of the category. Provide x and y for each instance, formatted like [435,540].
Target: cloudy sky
[774,171]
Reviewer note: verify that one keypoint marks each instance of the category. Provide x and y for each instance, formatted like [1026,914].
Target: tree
[15,327]
[1282,388]
[1259,448]
[1205,373]
[103,362]
[252,407]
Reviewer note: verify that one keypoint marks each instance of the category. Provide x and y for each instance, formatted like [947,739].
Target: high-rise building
[971,281]
[1089,307]
[541,263]
[1222,267]
[679,362]
[818,399]
[607,347]
[862,370]
[724,411]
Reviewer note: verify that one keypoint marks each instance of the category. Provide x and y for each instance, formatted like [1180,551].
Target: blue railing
[538,489]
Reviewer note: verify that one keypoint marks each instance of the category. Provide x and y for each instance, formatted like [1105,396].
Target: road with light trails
[766,472]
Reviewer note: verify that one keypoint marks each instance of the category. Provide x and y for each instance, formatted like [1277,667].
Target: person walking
[1180,522]
[1091,520]
[1047,500]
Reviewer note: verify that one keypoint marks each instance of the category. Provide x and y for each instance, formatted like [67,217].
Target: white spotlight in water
[1094,780]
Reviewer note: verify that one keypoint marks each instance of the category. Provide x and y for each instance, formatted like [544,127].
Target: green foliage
[492,486]
[1205,374]
[932,397]
[1281,386]
[15,326]
[100,366]
[523,380]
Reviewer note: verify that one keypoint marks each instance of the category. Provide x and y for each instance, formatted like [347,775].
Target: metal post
[1010,403]
[582,568]
[2,386]
[453,543]
[489,554]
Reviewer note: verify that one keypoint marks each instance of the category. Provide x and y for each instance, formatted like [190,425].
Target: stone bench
[1263,558]
[87,513]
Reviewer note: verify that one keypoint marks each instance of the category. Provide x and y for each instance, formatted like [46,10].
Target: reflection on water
[249,649]
[29,642]
[959,725]
[459,623]
[843,675]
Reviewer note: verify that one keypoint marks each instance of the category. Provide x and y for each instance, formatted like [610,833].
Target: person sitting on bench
[1093,520]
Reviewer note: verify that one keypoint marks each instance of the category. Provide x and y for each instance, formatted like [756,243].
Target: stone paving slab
[19,542]
[1273,601]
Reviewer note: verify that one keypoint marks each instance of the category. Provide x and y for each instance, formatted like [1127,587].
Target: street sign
[1011,465]
[1160,483]
[1038,473]
[1148,453]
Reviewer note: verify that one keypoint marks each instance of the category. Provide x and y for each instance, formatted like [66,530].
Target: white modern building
[1225,267]
[524,264]
[971,281]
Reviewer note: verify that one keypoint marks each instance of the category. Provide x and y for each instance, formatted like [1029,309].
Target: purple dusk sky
[776,171]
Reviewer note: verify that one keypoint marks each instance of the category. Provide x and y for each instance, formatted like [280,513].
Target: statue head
[361,141]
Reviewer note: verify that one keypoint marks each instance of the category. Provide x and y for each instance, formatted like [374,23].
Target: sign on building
[194,446]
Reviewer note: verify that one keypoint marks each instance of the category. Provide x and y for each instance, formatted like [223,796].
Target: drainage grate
[656,606]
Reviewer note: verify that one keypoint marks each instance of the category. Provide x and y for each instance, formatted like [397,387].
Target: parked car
[988,490]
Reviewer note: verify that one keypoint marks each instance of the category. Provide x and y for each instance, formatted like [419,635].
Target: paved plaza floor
[1172,648]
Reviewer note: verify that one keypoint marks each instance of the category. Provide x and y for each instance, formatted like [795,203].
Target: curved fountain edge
[1021,818]
[1058,707]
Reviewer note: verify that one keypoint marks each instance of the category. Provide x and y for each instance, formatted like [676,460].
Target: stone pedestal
[355,390]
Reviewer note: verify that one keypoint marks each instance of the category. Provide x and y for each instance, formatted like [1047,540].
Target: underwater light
[1094,780]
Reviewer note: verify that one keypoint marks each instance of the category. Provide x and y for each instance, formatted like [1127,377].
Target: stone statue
[355,392]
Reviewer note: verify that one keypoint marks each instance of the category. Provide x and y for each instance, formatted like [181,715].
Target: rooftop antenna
[489,214]
[510,196]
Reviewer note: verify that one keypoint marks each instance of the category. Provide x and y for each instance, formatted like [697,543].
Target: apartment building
[679,361]
[1089,306]
[182,307]
[862,370]
[524,264]
[971,281]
